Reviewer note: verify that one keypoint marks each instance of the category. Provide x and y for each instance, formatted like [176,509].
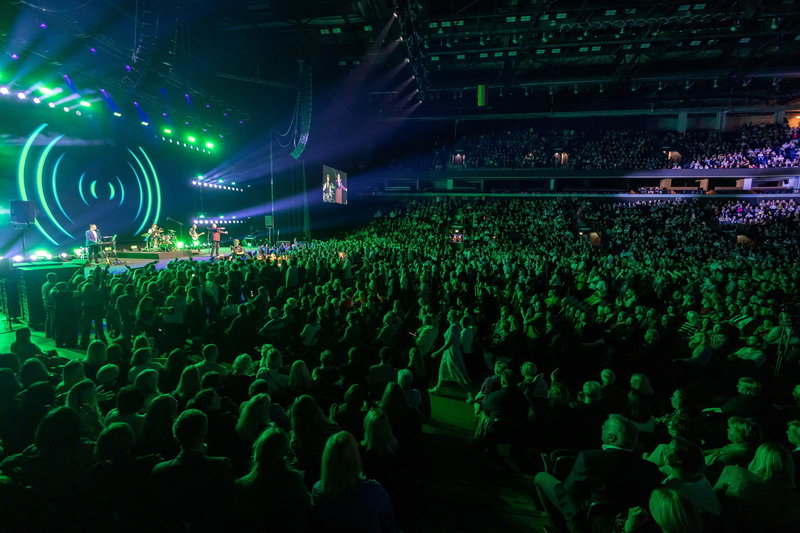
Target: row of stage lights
[219,185]
[209,221]
[74,103]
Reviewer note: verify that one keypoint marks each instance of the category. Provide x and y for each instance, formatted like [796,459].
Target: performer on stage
[341,190]
[193,233]
[92,244]
[153,235]
[328,190]
[215,233]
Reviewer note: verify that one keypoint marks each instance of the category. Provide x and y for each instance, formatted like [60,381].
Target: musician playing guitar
[193,233]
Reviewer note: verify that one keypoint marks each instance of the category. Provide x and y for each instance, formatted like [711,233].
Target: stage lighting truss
[219,221]
[217,186]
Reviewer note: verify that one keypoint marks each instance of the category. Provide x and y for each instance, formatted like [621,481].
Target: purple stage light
[14,56]
[93,50]
[187,122]
[43,26]
[208,106]
[136,104]
[163,114]
[127,68]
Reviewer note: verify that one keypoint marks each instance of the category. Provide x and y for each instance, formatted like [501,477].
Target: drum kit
[160,241]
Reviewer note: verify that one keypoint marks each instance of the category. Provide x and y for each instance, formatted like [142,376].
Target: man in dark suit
[193,488]
[91,243]
[612,475]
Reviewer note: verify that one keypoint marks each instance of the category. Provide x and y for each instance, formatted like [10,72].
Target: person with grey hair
[611,474]
[406,381]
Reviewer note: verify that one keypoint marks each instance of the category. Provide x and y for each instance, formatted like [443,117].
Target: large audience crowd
[651,361]
[762,146]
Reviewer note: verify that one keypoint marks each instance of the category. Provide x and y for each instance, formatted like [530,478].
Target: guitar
[196,236]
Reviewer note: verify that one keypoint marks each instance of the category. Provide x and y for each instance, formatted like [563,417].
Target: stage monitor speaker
[268,221]
[31,279]
[22,212]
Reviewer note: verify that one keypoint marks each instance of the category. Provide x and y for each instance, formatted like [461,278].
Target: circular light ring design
[52,224]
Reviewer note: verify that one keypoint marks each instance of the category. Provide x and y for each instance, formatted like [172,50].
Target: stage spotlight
[84,103]
[64,255]
[21,95]
[37,100]
[43,26]
[14,56]
[78,112]
[46,91]
[209,144]
[4,90]
[167,131]
[17,258]
[191,138]
[117,114]
[77,252]
[145,123]
[180,244]
[66,109]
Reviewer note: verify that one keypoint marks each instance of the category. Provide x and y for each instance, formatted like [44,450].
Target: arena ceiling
[532,55]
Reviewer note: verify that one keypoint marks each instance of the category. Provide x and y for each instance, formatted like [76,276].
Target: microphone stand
[181,224]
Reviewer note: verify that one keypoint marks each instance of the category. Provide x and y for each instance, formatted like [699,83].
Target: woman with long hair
[273,491]
[310,429]
[82,399]
[380,447]
[156,434]
[343,499]
[254,417]
[188,386]
[95,358]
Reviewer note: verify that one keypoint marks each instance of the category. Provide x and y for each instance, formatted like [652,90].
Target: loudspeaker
[22,212]
[31,279]
[268,221]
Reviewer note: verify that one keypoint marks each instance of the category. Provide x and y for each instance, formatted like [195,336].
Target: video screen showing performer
[334,186]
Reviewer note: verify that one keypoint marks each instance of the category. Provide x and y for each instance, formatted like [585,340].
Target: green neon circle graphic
[151,188]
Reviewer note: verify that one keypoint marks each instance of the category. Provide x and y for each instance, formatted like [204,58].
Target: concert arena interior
[384,266]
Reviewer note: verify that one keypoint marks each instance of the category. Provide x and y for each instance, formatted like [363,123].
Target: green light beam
[93,189]
[141,192]
[155,184]
[55,189]
[23,157]
[149,192]
[40,185]
[80,189]
[121,191]
[111,188]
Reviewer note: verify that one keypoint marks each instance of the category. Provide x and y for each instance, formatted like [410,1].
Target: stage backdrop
[78,173]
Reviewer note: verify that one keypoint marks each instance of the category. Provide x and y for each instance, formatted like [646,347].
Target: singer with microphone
[215,234]
[93,244]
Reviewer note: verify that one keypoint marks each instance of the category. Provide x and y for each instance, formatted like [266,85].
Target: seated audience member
[406,424]
[406,381]
[273,491]
[378,376]
[147,382]
[140,361]
[744,436]
[56,468]
[236,384]
[156,436]
[82,399]
[350,414]
[590,414]
[310,430]
[188,386]
[751,357]
[193,489]
[130,401]
[686,467]
[23,347]
[120,480]
[95,358]
[747,403]
[71,374]
[761,497]
[612,395]
[209,362]
[612,475]
[380,447]
[672,512]
[343,499]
